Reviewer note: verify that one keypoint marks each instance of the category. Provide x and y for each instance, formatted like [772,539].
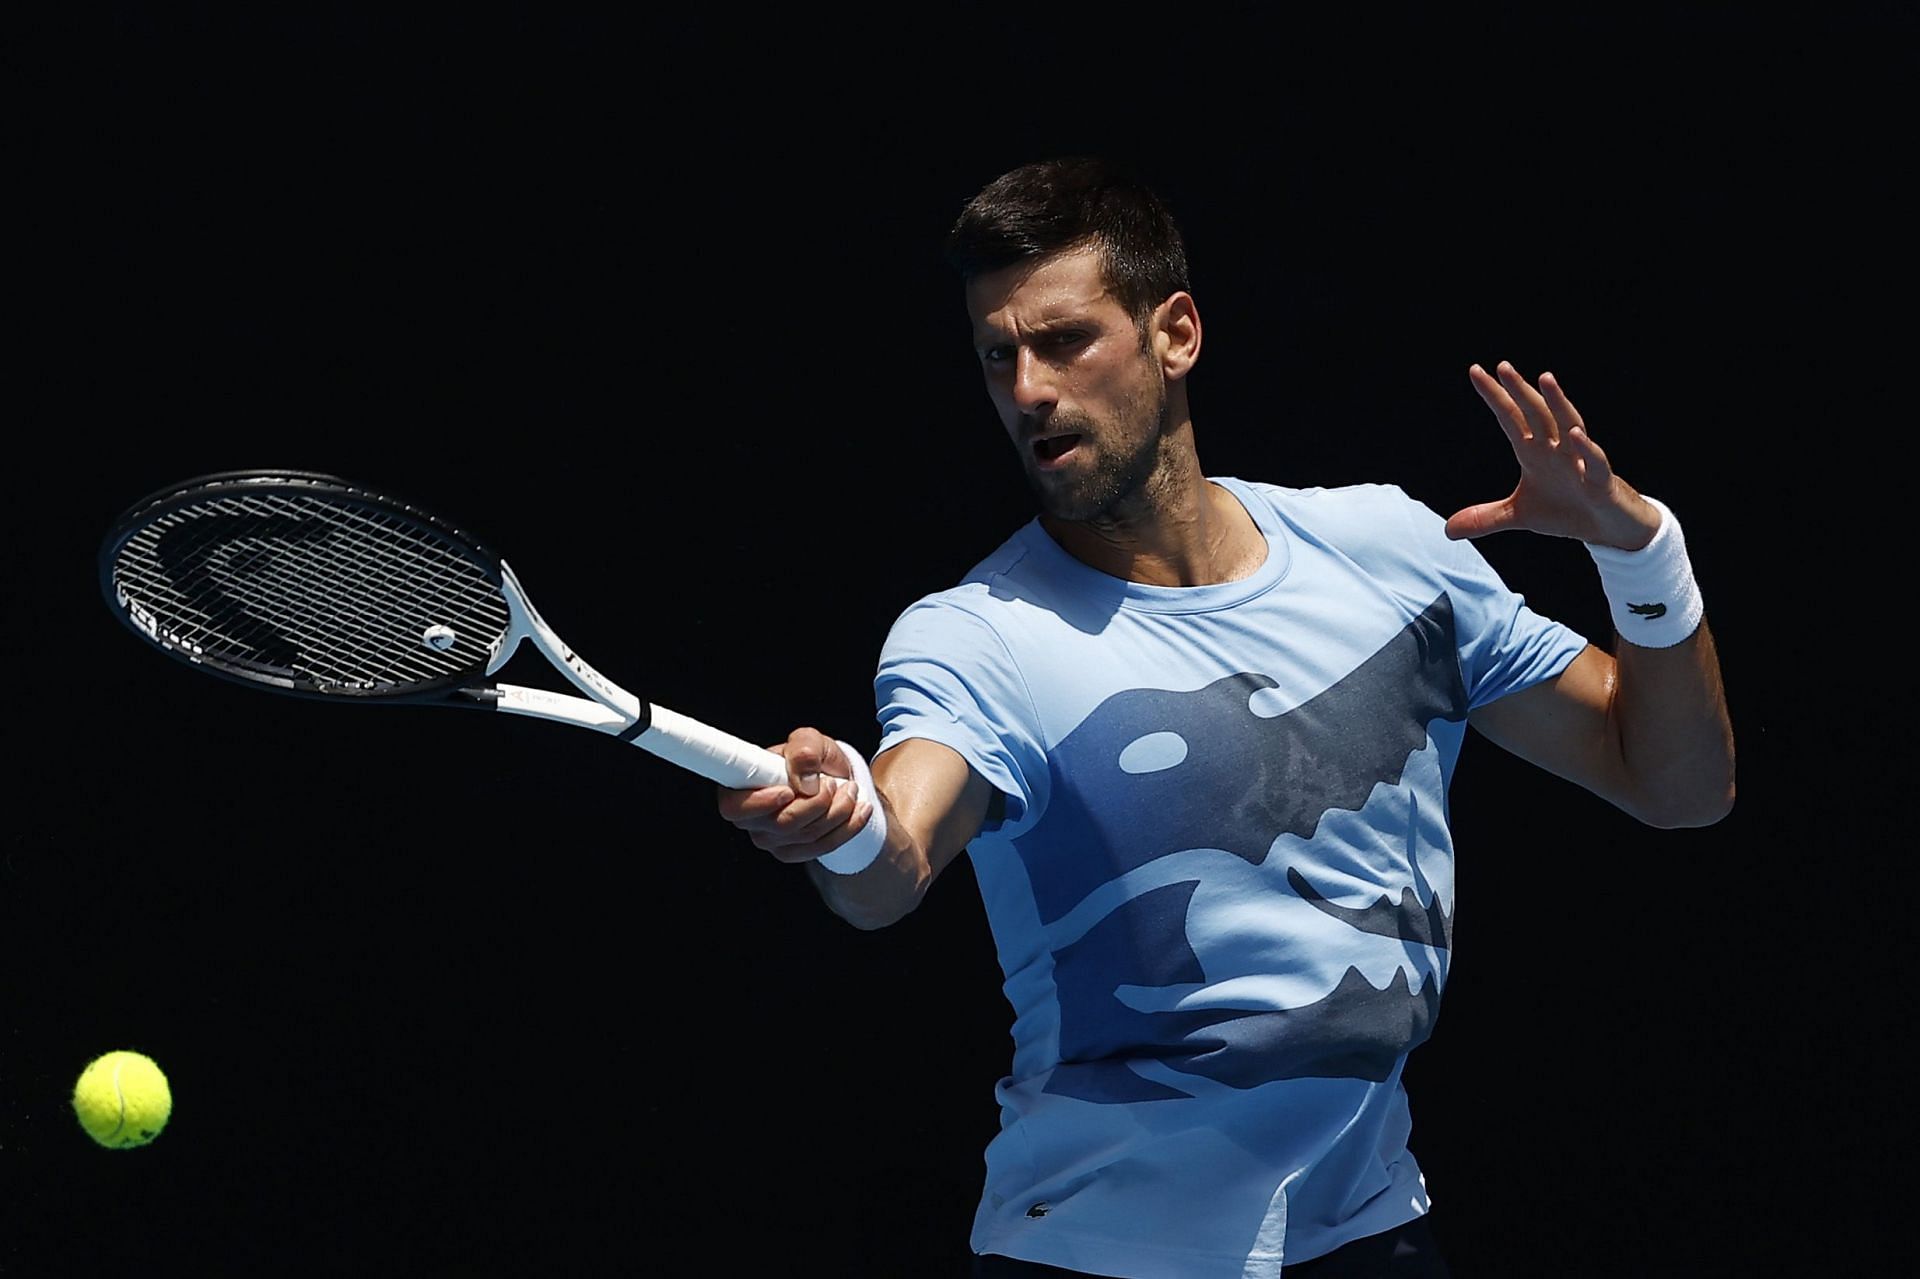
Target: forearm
[1673,736]
[1667,709]
[930,803]
[882,894]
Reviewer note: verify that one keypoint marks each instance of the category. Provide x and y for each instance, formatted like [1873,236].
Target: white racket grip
[861,851]
[715,755]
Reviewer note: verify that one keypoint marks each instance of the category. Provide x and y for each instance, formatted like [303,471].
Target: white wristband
[1651,591]
[861,851]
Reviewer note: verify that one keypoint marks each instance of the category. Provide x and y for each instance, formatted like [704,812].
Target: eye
[996,354]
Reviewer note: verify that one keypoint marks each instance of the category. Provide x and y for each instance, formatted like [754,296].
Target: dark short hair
[1051,206]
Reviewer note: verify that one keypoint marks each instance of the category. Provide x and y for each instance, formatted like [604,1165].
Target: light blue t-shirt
[1218,872]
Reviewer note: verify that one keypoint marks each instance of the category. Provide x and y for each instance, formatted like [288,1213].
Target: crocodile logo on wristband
[1648,611]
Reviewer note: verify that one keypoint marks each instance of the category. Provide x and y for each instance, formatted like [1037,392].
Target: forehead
[1067,285]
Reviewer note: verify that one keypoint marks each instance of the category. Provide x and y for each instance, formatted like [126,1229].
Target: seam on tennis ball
[119,1064]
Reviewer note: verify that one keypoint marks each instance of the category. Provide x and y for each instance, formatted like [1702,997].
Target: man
[1195,734]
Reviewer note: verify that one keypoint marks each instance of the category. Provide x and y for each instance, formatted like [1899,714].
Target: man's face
[1084,403]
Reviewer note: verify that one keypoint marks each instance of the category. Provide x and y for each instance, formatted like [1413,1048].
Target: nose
[1033,388]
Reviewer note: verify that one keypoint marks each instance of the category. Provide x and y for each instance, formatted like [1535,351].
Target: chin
[1076,503]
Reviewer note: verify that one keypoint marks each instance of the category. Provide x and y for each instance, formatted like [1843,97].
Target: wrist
[1651,592]
[863,849]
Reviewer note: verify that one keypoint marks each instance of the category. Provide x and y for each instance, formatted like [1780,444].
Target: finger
[1594,468]
[1587,456]
[760,804]
[1505,411]
[791,854]
[806,751]
[832,794]
[807,822]
[1563,411]
[1539,414]
[1481,519]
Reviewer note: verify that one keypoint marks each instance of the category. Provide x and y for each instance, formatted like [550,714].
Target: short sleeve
[1504,646]
[946,676]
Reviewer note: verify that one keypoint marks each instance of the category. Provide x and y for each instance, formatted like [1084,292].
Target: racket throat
[639,725]
[525,621]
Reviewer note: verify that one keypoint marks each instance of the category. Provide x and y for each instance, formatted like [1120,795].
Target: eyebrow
[1039,328]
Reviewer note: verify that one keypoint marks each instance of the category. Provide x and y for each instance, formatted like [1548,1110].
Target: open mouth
[1054,447]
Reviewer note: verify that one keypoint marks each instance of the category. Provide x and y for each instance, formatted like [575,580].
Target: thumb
[1479,520]
[808,753]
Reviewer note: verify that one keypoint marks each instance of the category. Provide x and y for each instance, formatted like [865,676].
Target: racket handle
[734,762]
[717,756]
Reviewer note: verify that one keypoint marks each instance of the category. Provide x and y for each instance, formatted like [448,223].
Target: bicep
[1564,725]
[934,795]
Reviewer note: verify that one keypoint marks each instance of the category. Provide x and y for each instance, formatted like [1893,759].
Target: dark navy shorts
[1405,1252]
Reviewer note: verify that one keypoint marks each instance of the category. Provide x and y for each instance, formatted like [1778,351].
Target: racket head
[304,583]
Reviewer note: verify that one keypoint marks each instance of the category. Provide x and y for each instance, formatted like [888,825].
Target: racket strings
[338,594]
[233,599]
[327,606]
[346,597]
[369,597]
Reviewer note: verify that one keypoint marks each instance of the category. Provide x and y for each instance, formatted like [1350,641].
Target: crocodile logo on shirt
[1244,781]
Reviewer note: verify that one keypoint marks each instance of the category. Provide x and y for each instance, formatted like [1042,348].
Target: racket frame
[607,707]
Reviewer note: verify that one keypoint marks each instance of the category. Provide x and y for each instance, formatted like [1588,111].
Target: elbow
[871,900]
[1689,811]
[1724,806]
[871,921]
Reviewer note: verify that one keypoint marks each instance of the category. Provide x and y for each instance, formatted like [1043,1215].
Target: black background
[655,303]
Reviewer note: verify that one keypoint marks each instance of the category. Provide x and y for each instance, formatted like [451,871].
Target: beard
[1126,453]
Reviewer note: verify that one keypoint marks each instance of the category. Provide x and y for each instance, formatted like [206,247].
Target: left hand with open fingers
[1566,487]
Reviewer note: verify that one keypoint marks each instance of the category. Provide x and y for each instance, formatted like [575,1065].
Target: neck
[1178,529]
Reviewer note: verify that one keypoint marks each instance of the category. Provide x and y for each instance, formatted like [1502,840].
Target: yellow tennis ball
[122,1100]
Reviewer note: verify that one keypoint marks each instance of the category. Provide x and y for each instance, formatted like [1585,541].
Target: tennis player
[1196,733]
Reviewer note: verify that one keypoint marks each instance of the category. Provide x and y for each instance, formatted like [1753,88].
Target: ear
[1176,335]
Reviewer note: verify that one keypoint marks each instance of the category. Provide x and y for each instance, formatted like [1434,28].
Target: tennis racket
[306,584]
